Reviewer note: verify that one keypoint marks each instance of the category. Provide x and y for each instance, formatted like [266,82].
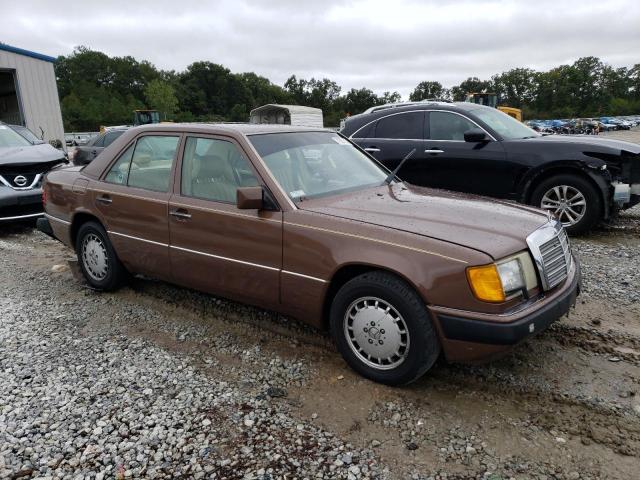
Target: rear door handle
[104,199]
[180,213]
[434,151]
[371,149]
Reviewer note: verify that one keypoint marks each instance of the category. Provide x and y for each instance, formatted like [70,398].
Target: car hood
[29,154]
[490,226]
[581,141]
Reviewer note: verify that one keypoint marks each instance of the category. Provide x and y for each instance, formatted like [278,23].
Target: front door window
[214,169]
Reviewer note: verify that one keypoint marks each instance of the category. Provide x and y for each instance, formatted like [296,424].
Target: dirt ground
[565,404]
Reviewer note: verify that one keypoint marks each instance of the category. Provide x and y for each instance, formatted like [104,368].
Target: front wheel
[572,199]
[97,258]
[383,329]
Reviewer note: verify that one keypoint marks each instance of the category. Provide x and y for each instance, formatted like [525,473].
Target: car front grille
[551,251]
[20,181]
[556,259]
[25,177]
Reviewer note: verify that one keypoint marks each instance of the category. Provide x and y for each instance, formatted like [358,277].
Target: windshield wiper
[392,175]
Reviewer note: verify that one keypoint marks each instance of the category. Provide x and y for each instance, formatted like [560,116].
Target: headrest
[213,166]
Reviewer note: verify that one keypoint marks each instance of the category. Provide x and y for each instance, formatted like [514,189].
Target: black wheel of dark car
[98,261]
[572,199]
[383,329]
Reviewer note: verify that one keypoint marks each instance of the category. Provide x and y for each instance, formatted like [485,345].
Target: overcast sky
[383,45]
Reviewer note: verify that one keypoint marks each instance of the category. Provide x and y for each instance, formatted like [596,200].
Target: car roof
[241,128]
[356,121]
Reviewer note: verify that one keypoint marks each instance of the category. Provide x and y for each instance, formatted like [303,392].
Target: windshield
[315,164]
[9,138]
[507,127]
[28,134]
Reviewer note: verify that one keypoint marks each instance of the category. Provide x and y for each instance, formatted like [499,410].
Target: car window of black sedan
[111,136]
[97,141]
[401,126]
[448,126]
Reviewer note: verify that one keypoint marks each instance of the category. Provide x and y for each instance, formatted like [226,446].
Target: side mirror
[250,198]
[475,135]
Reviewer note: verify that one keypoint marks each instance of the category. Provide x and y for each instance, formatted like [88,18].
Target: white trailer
[29,93]
[287,115]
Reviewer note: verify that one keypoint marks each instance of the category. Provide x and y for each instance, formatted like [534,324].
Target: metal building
[287,115]
[28,92]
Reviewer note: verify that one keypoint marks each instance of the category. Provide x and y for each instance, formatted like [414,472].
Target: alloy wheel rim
[566,202]
[376,333]
[94,257]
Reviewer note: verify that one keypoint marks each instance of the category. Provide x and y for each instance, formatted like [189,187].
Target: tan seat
[213,179]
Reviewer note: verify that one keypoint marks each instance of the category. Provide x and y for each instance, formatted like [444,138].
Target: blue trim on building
[26,53]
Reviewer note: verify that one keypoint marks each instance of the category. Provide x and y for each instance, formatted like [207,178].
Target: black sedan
[476,149]
[84,154]
[22,169]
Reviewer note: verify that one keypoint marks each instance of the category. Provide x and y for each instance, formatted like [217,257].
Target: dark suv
[477,149]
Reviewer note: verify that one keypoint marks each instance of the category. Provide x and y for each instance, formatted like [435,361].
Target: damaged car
[302,222]
[23,165]
[476,149]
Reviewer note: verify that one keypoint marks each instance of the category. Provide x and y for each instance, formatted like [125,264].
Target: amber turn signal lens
[485,283]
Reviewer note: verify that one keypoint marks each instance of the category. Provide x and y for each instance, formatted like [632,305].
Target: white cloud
[379,44]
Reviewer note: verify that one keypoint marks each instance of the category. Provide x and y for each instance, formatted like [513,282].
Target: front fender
[600,176]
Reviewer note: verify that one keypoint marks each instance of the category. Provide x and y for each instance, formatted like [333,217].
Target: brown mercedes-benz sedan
[303,222]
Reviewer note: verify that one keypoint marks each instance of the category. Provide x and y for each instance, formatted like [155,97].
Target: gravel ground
[156,381]
[104,404]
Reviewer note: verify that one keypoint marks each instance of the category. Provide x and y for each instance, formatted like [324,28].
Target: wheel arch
[347,272]
[530,183]
[79,219]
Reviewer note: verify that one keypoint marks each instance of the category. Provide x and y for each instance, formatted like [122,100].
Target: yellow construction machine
[491,100]
[140,117]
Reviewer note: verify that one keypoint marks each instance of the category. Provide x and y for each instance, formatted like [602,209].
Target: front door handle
[371,149]
[180,214]
[434,151]
[104,199]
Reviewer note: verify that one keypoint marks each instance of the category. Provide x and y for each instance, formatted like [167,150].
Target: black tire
[115,273]
[593,209]
[423,344]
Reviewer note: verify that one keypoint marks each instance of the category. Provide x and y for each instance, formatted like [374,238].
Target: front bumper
[468,339]
[20,204]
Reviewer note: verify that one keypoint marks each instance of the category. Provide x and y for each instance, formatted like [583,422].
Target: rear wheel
[383,329]
[572,199]
[98,261]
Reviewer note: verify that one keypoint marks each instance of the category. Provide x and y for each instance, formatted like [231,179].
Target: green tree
[516,87]
[390,97]
[161,96]
[358,100]
[470,85]
[427,90]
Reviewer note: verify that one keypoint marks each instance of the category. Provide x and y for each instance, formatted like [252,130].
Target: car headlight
[511,276]
[498,281]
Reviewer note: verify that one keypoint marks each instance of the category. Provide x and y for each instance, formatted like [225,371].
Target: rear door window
[406,126]
[448,126]
[119,173]
[152,161]
[147,164]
